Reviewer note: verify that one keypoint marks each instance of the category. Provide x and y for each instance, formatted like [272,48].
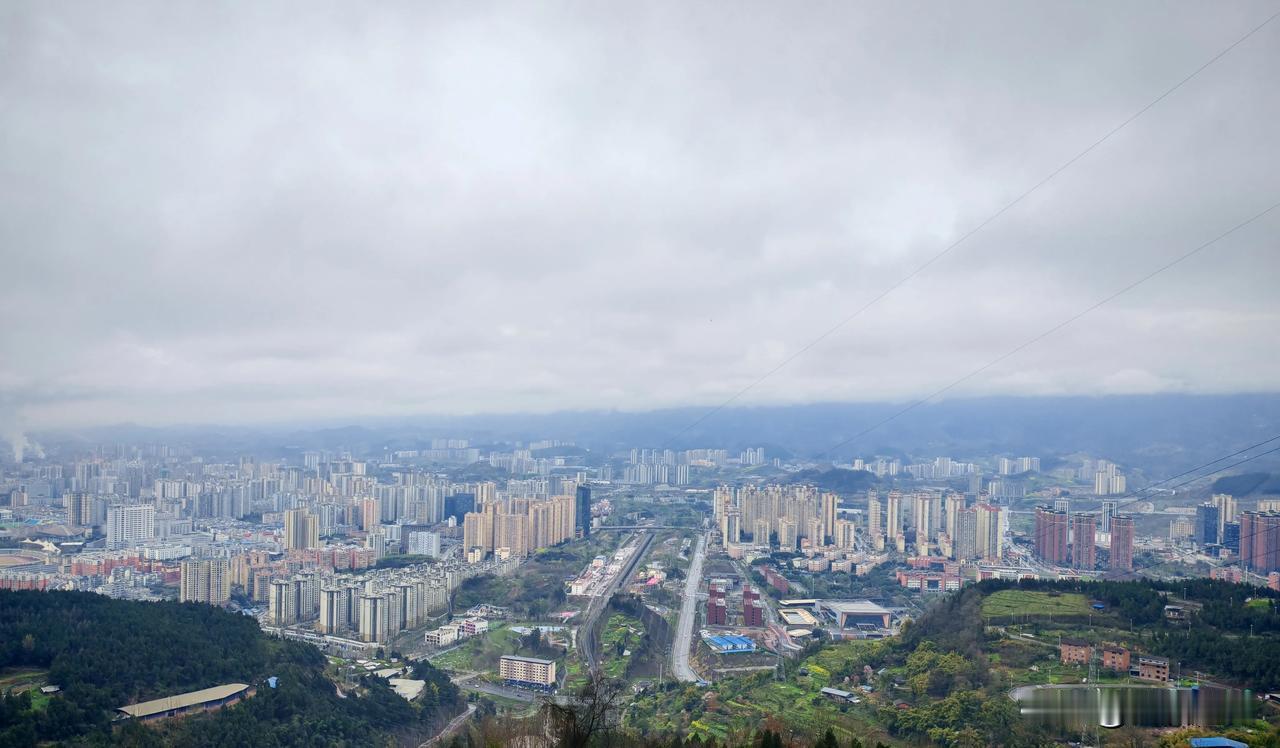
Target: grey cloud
[251,213]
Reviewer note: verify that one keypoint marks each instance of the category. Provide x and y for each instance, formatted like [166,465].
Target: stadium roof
[854,606]
[183,700]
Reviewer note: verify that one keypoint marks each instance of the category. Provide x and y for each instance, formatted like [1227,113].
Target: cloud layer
[236,213]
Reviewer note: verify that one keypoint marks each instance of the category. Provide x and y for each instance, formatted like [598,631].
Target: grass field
[622,633]
[1030,603]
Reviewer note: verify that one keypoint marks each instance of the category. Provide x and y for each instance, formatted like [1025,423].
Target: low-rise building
[1115,658]
[527,672]
[443,636]
[204,700]
[1075,651]
[1153,668]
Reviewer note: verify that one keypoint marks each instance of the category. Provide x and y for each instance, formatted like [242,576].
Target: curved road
[684,629]
[451,728]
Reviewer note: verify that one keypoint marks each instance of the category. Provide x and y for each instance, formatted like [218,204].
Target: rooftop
[183,700]
[854,606]
[533,660]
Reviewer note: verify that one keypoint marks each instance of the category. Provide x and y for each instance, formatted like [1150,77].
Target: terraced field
[1033,603]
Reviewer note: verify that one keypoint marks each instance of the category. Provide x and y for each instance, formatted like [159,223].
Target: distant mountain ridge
[1163,433]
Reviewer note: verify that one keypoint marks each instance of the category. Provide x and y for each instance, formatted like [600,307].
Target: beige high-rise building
[519,526]
[477,530]
[486,493]
[874,527]
[370,514]
[282,604]
[1228,510]
[730,527]
[845,534]
[511,531]
[830,511]
[964,544]
[815,532]
[301,530]
[79,508]
[954,505]
[760,532]
[893,514]
[721,500]
[988,532]
[205,580]
[788,534]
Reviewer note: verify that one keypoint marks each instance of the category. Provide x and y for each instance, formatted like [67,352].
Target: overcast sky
[239,212]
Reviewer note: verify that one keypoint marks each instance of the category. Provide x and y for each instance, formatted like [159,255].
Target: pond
[1083,706]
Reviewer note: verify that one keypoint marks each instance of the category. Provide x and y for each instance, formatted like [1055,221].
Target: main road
[684,628]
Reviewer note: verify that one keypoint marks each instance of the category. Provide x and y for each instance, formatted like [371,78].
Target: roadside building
[1075,651]
[527,672]
[1153,668]
[1115,658]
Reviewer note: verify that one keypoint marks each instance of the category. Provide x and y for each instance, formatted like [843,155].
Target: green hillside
[106,653]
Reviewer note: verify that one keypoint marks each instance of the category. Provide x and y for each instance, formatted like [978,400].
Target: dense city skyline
[640,375]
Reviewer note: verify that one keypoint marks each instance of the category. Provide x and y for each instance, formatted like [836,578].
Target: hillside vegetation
[107,653]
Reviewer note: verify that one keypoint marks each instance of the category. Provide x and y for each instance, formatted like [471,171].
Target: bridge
[603,528]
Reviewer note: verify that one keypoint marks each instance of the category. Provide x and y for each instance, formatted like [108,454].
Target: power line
[1195,470]
[1201,477]
[1184,554]
[1206,465]
[967,235]
[1037,338]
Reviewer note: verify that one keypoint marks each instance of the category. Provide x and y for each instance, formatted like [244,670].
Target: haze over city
[648,375]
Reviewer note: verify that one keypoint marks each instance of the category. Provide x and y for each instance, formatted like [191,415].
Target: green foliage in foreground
[107,653]
[934,684]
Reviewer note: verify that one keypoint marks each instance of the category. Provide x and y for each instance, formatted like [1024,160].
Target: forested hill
[106,653]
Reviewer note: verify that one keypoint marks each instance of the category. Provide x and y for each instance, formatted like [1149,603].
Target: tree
[591,717]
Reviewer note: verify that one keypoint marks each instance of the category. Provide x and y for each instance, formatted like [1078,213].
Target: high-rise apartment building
[1228,510]
[517,526]
[964,537]
[1260,541]
[370,514]
[1208,524]
[893,514]
[1051,535]
[1121,543]
[953,505]
[788,534]
[130,524]
[79,508]
[1084,549]
[873,515]
[424,544]
[282,603]
[990,532]
[583,511]
[731,527]
[1108,511]
[301,530]
[830,511]
[205,580]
